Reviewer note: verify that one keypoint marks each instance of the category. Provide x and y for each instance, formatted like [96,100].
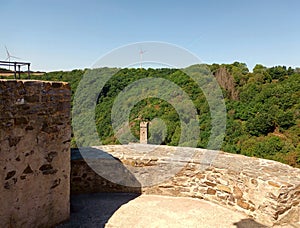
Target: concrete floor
[131,210]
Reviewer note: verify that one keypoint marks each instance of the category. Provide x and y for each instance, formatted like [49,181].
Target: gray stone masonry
[35,137]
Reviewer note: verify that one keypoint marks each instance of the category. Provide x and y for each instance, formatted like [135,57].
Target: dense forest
[263,108]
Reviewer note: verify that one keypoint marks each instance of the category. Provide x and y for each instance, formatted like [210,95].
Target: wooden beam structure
[17,65]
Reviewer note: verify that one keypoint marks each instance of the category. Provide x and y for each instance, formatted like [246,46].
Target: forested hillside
[263,108]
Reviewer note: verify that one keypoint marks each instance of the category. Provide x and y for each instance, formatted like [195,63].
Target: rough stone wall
[34,153]
[266,190]
[85,180]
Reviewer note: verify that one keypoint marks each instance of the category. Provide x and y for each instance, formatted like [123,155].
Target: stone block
[224,188]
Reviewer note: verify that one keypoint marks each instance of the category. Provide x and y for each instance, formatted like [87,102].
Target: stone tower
[143,132]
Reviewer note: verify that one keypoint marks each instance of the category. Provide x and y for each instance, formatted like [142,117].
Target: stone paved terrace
[264,190]
[144,211]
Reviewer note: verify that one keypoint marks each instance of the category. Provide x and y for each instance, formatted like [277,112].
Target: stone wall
[34,153]
[266,190]
[86,180]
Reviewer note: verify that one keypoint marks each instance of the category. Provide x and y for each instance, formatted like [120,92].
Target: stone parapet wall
[266,190]
[85,180]
[34,153]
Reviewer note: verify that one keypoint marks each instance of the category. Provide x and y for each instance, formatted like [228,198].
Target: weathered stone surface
[274,184]
[242,204]
[266,190]
[27,170]
[237,192]
[224,188]
[35,165]
[211,191]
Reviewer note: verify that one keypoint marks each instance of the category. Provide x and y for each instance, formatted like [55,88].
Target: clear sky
[72,34]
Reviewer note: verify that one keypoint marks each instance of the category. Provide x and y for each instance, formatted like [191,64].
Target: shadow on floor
[95,209]
[94,198]
[248,223]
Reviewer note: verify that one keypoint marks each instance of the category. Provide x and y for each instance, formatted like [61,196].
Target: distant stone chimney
[143,132]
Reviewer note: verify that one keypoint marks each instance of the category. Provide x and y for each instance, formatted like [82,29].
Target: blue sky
[64,35]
